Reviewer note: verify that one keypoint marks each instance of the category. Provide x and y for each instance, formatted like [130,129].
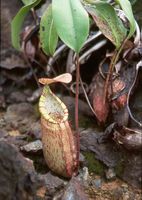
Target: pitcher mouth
[51,107]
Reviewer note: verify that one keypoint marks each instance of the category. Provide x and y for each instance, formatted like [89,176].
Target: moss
[39,162]
[93,164]
[119,168]
[40,165]
[85,122]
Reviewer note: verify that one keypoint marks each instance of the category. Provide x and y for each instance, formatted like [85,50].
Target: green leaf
[108,22]
[126,6]
[48,34]
[71,21]
[26,2]
[17,23]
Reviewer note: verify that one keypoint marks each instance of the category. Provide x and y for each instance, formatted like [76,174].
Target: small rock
[81,159]
[2,101]
[35,96]
[16,97]
[97,183]
[3,133]
[74,191]
[20,116]
[110,174]
[18,141]
[58,195]
[2,122]
[32,147]
[117,193]
[35,130]
[126,196]
[41,192]
[83,175]
[124,185]
[51,182]
[14,133]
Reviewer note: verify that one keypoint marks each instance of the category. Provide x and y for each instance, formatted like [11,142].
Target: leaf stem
[76,105]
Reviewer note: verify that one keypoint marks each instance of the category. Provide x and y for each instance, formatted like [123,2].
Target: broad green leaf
[108,22]
[71,21]
[26,2]
[17,23]
[48,34]
[126,6]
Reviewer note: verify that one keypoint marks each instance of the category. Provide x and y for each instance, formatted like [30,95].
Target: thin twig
[30,65]
[100,68]
[87,99]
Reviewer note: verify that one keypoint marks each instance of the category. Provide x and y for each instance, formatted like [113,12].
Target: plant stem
[111,68]
[76,105]
[35,16]
[30,65]
[109,76]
